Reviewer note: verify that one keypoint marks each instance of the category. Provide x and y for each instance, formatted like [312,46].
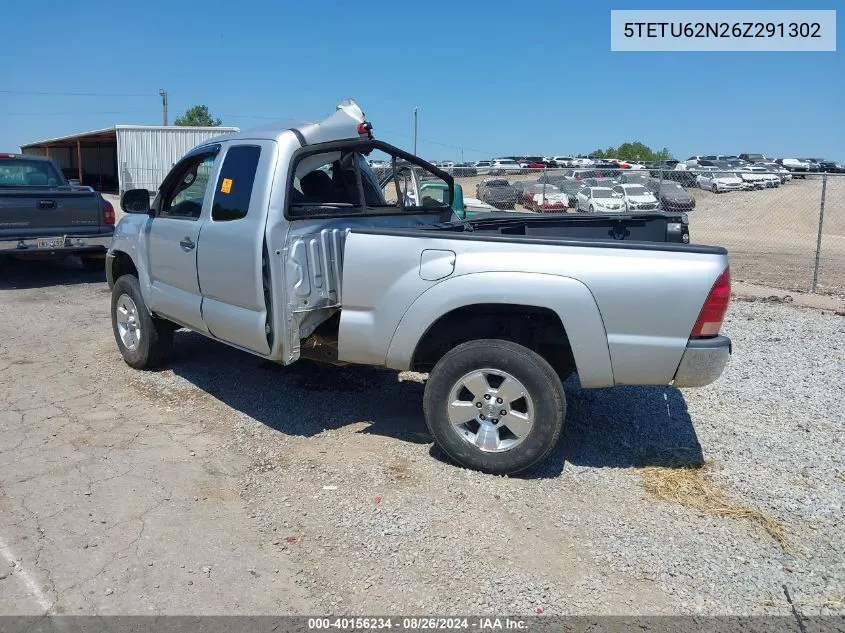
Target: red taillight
[108,212]
[713,313]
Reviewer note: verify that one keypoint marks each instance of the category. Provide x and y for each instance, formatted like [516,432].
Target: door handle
[46,204]
[187,244]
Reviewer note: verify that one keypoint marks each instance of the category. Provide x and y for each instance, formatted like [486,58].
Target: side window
[185,193]
[363,180]
[233,192]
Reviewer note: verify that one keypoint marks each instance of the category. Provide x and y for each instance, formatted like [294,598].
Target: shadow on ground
[19,274]
[606,428]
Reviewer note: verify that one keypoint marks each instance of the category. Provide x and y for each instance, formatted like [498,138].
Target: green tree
[198,116]
[633,150]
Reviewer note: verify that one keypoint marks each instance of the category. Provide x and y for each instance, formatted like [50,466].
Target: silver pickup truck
[284,243]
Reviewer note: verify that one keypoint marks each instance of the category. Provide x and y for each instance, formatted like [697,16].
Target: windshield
[602,193]
[569,186]
[671,186]
[636,190]
[23,172]
[497,183]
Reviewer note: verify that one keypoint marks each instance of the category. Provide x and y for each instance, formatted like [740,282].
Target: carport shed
[123,157]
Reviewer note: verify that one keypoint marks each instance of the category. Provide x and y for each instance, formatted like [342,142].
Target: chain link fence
[781,229]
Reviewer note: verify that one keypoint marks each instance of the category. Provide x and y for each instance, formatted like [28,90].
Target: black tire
[539,380]
[592,210]
[156,335]
[93,264]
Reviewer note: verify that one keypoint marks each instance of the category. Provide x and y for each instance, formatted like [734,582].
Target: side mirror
[458,203]
[136,201]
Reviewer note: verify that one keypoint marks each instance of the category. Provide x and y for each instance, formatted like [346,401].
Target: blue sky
[489,77]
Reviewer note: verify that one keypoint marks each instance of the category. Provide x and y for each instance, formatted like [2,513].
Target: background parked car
[812,164]
[504,166]
[544,197]
[482,167]
[771,180]
[832,167]
[497,192]
[777,170]
[633,177]
[464,170]
[753,158]
[600,200]
[671,195]
[570,188]
[719,181]
[637,197]
[796,167]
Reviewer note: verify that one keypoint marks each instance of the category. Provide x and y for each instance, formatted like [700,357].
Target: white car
[482,167]
[636,197]
[583,162]
[563,161]
[600,200]
[771,180]
[718,181]
[503,166]
[760,178]
[776,169]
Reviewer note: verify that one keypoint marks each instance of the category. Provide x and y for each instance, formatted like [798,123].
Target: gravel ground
[331,493]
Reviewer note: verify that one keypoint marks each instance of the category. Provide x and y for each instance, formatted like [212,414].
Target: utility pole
[163,94]
[415,130]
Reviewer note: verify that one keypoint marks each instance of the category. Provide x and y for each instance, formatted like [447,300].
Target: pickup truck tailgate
[41,213]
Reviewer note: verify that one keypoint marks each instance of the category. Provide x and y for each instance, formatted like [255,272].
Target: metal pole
[415,130]
[79,160]
[819,238]
[163,94]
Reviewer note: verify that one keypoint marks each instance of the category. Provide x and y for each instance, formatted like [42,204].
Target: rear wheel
[494,406]
[145,341]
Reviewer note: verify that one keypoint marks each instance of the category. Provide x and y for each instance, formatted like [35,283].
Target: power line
[74,113]
[75,94]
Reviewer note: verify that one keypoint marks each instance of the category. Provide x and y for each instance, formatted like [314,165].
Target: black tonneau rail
[586,243]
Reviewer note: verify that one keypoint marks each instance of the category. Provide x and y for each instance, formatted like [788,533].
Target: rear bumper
[703,361]
[71,244]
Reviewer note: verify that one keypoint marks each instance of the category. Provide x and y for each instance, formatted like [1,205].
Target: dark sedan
[832,167]
[497,192]
[672,196]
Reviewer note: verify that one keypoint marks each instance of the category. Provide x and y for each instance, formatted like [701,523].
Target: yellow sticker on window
[226,186]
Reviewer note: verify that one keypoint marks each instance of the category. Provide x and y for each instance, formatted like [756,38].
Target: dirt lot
[224,484]
[770,234]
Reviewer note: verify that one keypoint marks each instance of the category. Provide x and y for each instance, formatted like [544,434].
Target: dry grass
[692,487]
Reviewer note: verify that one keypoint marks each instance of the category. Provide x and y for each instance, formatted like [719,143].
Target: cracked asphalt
[223,484]
[109,504]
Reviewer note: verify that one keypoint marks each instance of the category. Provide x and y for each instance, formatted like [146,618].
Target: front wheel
[494,406]
[144,341]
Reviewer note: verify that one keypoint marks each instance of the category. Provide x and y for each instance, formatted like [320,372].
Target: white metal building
[123,157]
